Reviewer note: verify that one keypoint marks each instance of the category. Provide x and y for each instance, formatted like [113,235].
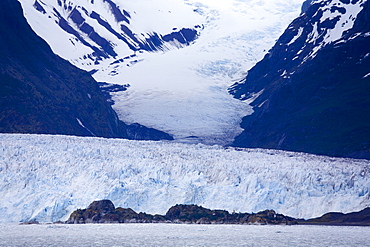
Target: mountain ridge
[101,30]
[309,91]
[43,93]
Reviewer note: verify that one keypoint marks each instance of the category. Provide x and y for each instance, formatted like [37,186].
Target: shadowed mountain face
[42,93]
[311,91]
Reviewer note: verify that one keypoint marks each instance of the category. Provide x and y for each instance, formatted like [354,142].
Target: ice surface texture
[47,177]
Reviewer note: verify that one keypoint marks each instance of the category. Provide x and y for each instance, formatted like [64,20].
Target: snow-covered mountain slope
[86,32]
[47,177]
[180,91]
[310,92]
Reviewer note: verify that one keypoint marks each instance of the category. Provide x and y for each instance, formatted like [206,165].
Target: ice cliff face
[47,177]
[308,93]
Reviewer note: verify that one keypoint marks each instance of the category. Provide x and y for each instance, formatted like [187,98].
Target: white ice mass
[45,178]
[180,91]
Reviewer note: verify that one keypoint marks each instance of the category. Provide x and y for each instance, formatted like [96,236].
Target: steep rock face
[42,93]
[310,92]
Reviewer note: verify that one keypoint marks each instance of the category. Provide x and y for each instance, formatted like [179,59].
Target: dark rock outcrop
[193,214]
[196,214]
[309,93]
[31,222]
[104,212]
[306,5]
[41,93]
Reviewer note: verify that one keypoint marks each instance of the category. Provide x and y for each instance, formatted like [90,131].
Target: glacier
[181,90]
[46,177]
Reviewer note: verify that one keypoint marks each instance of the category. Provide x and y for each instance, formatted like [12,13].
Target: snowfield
[46,177]
[180,91]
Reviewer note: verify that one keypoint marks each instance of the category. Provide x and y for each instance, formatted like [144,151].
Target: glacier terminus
[45,178]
